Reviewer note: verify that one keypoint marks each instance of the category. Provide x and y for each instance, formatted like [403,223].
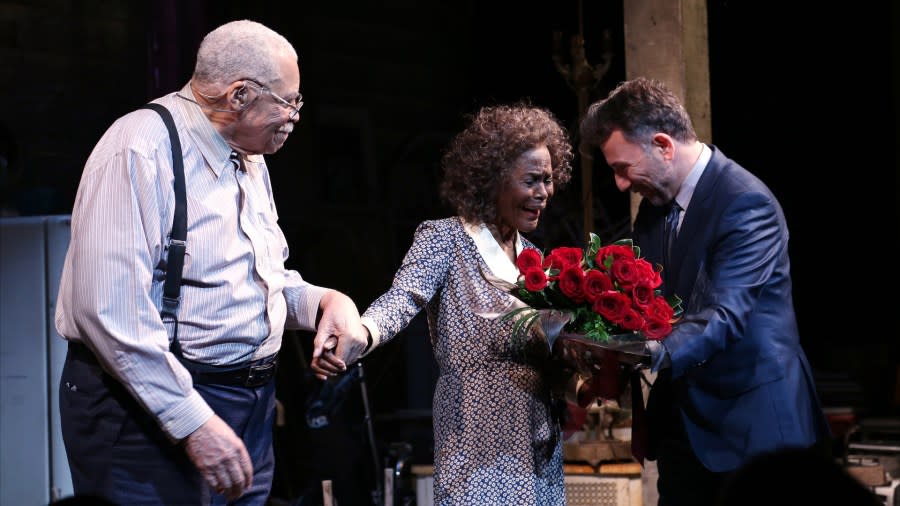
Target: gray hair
[240,50]
[638,108]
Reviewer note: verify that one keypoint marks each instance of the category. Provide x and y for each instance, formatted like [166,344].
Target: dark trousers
[118,452]
[683,479]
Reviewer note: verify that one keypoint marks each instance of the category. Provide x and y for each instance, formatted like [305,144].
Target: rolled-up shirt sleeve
[302,302]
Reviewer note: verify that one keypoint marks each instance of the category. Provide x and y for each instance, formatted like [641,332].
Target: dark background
[804,96]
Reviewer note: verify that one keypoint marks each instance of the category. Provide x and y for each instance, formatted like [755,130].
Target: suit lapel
[697,215]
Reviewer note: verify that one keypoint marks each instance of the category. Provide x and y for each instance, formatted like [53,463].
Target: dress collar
[490,250]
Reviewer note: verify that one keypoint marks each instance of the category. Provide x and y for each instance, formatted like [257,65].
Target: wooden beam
[668,40]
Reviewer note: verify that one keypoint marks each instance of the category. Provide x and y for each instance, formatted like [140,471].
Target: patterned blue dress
[496,441]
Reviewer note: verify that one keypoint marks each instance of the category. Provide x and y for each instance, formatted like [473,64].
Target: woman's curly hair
[480,158]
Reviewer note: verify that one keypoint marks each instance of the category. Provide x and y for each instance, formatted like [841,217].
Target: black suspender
[175,263]
[247,374]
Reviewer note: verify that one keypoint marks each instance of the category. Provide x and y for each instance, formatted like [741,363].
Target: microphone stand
[379,489]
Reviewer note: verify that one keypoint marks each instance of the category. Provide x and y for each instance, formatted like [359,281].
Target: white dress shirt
[236,296]
[659,356]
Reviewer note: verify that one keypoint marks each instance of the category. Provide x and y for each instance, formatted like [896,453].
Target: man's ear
[665,143]
[238,95]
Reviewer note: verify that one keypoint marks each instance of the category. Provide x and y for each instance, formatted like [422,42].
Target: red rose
[528,258]
[612,305]
[615,251]
[570,281]
[611,291]
[595,283]
[563,257]
[631,320]
[659,309]
[642,294]
[647,273]
[535,279]
[625,273]
[656,329]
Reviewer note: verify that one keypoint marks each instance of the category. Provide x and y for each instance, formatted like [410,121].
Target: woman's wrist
[368,340]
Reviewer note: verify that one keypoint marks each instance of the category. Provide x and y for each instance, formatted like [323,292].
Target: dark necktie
[639,435]
[669,233]
[235,159]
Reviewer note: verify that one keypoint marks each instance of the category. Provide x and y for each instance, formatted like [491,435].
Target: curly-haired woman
[496,440]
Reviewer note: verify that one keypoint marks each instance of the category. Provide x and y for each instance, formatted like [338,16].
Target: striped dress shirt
[236,296]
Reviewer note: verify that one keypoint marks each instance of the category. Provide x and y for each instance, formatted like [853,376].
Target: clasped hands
[215,449]
[340,336]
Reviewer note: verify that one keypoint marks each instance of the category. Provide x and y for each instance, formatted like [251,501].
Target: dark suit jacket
[739,379]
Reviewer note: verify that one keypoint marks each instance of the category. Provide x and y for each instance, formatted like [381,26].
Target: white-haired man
[170,399]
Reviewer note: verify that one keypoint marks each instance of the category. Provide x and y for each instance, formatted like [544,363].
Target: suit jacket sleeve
[748,246]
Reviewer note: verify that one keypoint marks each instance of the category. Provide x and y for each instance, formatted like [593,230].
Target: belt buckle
[259,375]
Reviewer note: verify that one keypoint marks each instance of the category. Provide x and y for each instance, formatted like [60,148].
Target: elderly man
[167,397]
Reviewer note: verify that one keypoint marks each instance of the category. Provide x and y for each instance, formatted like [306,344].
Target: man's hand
[221,457]
[352,345]
[340,337]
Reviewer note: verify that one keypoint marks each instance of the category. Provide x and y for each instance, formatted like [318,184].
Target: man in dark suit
[733,381]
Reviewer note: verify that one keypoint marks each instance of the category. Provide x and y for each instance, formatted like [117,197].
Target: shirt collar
[686,192]
[216,152]
[490,250]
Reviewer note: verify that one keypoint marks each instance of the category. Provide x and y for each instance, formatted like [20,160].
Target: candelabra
[582,77]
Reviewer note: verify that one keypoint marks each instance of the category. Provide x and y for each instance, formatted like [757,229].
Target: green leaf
[523,325]
[516,312]
[593,246]
[531,319]
[676,303]
[607,262]
[520,329]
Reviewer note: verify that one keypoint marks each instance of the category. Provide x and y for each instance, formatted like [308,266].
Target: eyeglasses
[293,105]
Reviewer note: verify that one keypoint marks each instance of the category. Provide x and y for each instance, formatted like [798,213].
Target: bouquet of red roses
[603,290]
